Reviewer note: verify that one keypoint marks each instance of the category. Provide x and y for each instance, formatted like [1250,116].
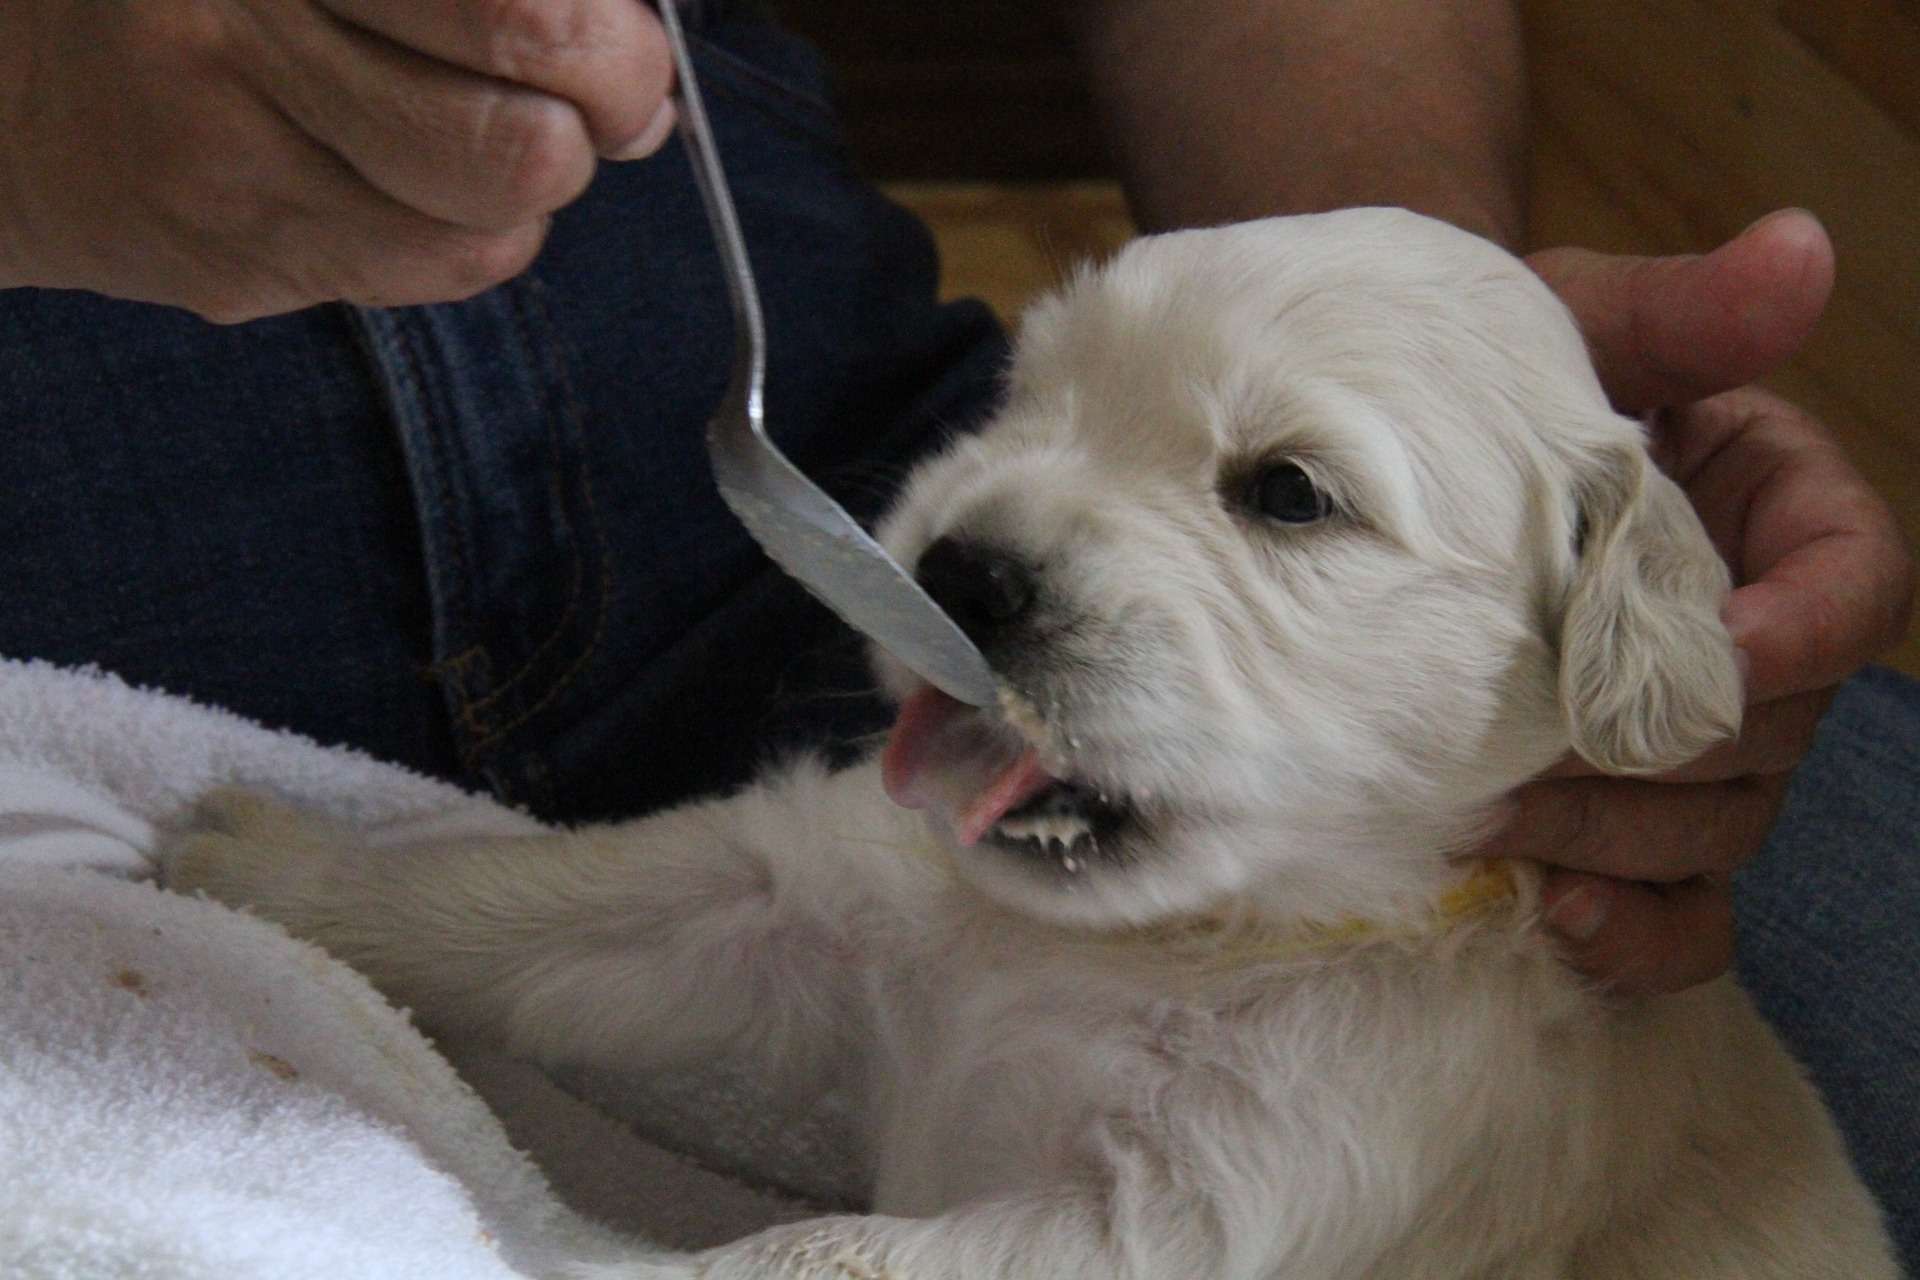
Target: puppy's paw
[842,1247]
[248,851]
[662,1268]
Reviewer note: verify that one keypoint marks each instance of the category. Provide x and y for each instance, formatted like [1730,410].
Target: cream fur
[1307,721]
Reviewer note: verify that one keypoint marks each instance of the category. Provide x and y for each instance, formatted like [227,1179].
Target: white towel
[186,1091]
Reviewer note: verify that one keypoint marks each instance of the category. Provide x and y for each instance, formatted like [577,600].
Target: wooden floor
[1660,126]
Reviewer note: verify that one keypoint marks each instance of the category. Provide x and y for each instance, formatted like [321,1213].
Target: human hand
[241,158]
[1638,869]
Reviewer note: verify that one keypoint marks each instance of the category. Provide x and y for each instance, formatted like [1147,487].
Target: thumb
[1669,330]
[1641,939]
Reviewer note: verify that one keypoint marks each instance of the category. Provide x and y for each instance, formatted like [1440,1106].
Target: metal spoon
[805,532]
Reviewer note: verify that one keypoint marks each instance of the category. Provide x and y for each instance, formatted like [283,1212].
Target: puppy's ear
[1647,674]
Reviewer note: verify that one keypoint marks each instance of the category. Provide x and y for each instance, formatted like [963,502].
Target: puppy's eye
[1285,492]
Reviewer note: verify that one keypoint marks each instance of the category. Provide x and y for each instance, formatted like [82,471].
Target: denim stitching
[454,674]
[416,386]
[553,637]
[574,414]
[572,673]
[458,606]
[560,626]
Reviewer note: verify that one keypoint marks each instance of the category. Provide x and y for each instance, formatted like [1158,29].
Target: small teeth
[1049,829]
[1065,841]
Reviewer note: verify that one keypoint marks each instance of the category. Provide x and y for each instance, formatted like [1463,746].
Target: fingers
[405,178]
[460,147]
[323,235]
[241,160]
[1636,883]
[1774,737]
[1826,573]
[1636,830]
[1641,939]
[1827,579]
[1637,879]
[1638,869]
[420,261]
[1823,613]
[1668,330]
[606,57]
[311,258]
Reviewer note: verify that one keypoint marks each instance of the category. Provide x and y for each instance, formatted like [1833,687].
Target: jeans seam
[553,638]
[564,679]
[455,664]
[578,570]
[574,412]
[453,676]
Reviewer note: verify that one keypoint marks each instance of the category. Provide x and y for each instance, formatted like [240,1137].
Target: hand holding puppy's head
[1296,545]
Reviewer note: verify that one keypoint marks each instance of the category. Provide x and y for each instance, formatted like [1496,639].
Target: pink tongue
[943,754]
[923,716]
[1008,790]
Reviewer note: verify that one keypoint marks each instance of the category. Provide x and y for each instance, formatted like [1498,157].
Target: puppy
[1296,546]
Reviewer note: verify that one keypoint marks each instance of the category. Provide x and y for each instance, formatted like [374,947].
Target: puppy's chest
[1008,1061]
[1003,1063]
[990,1074]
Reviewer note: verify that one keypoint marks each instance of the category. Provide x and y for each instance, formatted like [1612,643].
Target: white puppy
[1297,545]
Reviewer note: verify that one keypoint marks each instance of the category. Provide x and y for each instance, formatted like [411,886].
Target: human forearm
[13,72]
[1225,109]
[12,272]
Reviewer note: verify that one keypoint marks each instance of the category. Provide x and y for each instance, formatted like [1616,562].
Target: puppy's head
[1295,546]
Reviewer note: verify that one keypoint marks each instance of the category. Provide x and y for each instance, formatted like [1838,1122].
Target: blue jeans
[481,539]
[1829,917]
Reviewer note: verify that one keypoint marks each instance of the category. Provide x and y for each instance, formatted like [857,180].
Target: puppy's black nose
[985,591]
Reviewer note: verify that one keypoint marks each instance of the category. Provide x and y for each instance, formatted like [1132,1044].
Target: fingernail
[1809,221]
[650,139]
[1769,216]
[1741,616]
[1578,914]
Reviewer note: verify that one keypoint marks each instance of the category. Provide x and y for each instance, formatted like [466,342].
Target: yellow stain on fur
[131,980]
[278,1066]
